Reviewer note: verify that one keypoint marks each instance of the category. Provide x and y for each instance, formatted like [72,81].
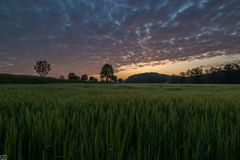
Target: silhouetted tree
[215,69]
[214,75]
[207,71]
[114,79]
[84,77]
[196,75]
[231,73]
[107,72]
[198,71]
[229,67]
[61,77]
[93,79]
[72,76]
[188,73]
[42,68]
[237,67]
[183,74]
[102,78]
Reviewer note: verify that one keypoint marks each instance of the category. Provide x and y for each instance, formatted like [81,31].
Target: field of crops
[119,122]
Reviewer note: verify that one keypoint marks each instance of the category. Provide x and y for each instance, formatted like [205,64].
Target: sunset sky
[135,36]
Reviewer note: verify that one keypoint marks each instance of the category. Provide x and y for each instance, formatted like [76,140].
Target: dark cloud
[73,34]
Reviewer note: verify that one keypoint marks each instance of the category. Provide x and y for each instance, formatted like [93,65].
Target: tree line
[229,73]
[107,73]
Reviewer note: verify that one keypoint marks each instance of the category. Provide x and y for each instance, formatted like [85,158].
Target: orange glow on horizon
[170,68]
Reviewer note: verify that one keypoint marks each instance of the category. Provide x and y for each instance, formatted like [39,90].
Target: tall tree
[84,77]
[107,72]
[61,77]
[114,79]
[182,74]
[72,76]
[198,71]
[231,73]
[92,79]
[188,73]
[215,69]
[196,74]
[42,68]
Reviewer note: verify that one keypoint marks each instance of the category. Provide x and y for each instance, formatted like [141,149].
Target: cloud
[74,34]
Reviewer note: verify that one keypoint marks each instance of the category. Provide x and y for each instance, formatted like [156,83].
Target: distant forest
[228,74]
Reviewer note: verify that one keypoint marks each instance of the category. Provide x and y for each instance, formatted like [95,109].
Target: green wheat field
[120,122]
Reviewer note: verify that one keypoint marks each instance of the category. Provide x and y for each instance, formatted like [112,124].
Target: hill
[148,78]
[26,79]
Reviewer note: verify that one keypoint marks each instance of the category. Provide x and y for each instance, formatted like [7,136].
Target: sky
[135,36]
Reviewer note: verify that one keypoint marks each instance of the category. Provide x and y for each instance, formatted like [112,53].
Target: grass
[96,121]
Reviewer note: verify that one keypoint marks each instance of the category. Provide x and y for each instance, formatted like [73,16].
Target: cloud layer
[84,34]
